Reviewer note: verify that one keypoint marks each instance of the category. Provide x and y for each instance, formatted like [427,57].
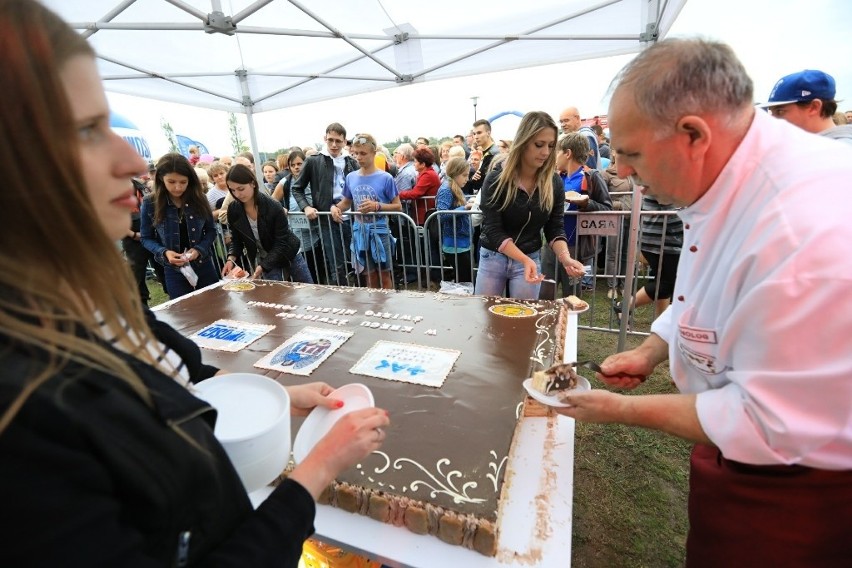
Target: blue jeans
[299,271]
[496,270]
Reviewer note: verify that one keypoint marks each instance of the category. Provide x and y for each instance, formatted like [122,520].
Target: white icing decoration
[496,468]
[540,353]
[447,487]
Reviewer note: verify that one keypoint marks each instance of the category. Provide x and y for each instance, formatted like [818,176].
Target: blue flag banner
[184,142]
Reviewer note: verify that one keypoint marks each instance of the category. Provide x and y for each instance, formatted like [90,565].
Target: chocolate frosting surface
[445,446]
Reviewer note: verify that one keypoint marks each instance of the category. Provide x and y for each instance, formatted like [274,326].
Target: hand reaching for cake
[350,440]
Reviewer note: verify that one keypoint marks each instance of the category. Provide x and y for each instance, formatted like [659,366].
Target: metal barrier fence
[421,258]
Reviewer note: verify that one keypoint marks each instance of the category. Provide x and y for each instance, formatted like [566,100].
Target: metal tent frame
[253,56]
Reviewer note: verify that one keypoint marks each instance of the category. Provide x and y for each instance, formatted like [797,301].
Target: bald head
[570,120]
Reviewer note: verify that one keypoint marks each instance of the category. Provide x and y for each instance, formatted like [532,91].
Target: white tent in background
[257,55]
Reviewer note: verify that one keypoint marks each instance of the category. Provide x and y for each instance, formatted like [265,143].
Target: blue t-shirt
[378,186]
[574,182]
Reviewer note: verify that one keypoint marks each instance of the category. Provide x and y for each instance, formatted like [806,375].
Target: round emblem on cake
[238,286]
[512,311]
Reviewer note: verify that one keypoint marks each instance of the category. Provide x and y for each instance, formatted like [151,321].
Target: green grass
[630,484]
[156,292]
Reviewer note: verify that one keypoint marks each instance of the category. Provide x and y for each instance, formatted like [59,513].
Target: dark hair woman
[177,226]
[259,224]
[99,437]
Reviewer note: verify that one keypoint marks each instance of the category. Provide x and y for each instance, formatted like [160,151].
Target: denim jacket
[166,235]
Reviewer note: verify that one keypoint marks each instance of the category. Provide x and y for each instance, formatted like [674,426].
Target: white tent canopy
[253,56]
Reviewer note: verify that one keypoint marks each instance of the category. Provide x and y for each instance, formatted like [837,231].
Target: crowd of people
[426,178]
[97,417]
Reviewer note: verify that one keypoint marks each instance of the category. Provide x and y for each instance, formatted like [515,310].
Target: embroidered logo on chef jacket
[698,334]
[702,362]
[698,346]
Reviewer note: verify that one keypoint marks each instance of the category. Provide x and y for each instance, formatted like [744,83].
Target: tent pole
[248,108]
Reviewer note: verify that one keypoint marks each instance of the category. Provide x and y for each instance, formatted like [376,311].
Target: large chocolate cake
[442,465]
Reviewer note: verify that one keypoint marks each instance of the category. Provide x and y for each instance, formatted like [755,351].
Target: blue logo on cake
[302,353]
[396,367]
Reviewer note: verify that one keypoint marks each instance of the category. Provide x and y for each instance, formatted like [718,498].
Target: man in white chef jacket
[759,333]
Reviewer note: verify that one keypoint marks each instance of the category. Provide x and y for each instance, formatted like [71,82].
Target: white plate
[583,384]
[248,404]
[577,312]
[355,396]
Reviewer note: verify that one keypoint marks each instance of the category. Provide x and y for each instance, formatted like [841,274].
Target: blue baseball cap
[803,86]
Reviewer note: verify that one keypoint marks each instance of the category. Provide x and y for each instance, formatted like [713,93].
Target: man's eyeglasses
[335,141]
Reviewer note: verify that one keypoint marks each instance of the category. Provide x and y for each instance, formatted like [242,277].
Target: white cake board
[518,545]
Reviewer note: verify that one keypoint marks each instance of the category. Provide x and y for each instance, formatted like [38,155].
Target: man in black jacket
[325,173]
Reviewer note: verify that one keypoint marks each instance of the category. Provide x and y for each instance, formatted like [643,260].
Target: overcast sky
[771,37]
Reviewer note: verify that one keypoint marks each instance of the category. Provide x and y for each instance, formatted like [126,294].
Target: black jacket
[524,220]
[92,476]
[318,172]
[279,242]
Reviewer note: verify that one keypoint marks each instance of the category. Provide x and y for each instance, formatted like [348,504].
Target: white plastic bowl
[253,424]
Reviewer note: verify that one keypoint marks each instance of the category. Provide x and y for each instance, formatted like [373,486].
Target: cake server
[597,368]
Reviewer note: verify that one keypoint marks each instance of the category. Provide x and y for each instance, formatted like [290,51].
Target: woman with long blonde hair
[106,457]
[520,201]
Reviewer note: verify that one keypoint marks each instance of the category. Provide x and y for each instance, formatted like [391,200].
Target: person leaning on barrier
[585,192]
[661,242]
[455,229]
[106,457]
[756,335]
[370,190]
[325,174]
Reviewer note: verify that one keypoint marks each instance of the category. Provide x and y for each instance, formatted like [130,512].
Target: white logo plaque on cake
[230,335]
[305,351]
[407,363]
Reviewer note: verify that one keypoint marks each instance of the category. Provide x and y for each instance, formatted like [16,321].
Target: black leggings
[662,286]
